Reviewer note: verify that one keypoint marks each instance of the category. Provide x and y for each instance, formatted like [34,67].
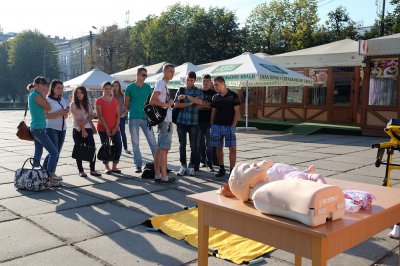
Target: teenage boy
[189,101]
[225,113]
[135,95]
[203,137]
[160,97]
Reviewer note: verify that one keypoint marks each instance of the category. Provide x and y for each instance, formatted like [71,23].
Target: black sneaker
[220,173]
[210,169]
[169,170]
[138,170]
[169,181]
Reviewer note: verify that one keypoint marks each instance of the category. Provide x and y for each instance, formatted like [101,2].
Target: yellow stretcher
[393,130]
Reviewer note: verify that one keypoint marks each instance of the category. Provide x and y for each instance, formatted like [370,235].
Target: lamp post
[91,37]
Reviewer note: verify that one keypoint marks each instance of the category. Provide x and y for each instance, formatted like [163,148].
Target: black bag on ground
[148,171]
[106,151]
[154,114]
[84,153]
[175,111]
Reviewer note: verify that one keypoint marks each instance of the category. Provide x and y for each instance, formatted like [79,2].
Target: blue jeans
[134,125]
[122,131]
[57,137]
[194,153]
[42,140]
[116,139]
[204,143]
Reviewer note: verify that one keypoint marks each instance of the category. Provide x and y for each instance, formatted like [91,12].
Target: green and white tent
[249,70]
[179,77]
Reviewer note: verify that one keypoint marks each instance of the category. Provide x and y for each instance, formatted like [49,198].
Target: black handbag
[84,153]
[106,151]
[148,171]
[175,110]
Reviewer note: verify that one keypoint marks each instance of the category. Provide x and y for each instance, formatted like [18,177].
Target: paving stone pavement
[98,220]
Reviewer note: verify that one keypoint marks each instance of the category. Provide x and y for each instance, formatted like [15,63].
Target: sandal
[56,183]
[95,173]
[57,178]
[116,171]
[82,174]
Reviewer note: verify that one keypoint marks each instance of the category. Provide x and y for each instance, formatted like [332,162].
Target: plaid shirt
[190,114]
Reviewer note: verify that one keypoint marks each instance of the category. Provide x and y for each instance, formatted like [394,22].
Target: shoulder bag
[155,114]
[24,131]
[106,151]
[84,153]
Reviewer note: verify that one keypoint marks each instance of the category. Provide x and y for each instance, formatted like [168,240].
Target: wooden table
[316,243]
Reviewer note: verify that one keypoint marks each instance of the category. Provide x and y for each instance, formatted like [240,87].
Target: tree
[4,72]
[112,49]
[31,54]
[340,25]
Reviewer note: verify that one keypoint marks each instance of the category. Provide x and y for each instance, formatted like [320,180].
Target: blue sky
[75,18]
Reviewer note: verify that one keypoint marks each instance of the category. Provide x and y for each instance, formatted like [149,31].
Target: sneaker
[210,169]
[182,171]
[138,170]
[203,165]
[190,171]
[128,151]
[169,181]
[220,173]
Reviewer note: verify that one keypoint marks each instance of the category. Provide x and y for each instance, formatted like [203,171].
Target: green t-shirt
[38,118]
[138,96]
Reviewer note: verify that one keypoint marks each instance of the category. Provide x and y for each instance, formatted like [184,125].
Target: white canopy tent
[339,53]
[386,45]
[128,75]
[248,70]
[92,80]
[179,77]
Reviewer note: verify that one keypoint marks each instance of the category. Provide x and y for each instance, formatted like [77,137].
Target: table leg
[203,238]
[319,256]
[297,260]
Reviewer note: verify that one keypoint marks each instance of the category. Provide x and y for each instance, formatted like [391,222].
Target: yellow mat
[183,225]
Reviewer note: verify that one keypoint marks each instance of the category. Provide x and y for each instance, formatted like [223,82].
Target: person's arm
[127,102]
[40,100]
[237,116]
[56,114]
[195,100]
[101,118]
[213,112]
[156,102]
[116,127]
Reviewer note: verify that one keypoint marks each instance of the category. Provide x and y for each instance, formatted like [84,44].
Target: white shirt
[57,123]
[161,86]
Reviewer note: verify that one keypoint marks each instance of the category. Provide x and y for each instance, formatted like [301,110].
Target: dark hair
[206,76]
[219,79]
[166,66]
[192,75]
[140,69]
[85,100]
[105,83]
[119,87]
[39,80]
[53,84]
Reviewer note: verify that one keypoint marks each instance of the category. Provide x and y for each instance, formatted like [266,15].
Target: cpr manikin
[283,190]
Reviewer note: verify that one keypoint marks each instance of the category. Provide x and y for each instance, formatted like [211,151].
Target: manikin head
[245,176]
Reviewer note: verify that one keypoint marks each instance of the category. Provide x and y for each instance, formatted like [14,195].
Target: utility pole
[383,19]
[91,49]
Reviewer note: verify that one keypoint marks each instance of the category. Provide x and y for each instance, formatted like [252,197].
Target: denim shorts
[165,135]
[219,133]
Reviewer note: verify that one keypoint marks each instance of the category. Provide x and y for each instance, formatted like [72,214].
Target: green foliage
[30,54]
[4,73]
[340,25]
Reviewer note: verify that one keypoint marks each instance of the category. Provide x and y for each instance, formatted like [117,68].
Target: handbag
[84,152]
[24,131]
[106,151]
[33,179]
[148,171]
[175,110]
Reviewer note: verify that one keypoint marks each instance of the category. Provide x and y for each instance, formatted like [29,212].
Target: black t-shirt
[224,106]
[205,114]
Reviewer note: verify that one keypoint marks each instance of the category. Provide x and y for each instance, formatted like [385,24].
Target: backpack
[148,171]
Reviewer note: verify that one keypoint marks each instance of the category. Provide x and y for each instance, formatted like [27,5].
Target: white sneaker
[182,171]
[395,232]
[190,171]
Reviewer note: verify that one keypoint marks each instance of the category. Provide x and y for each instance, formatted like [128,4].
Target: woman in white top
[82,132]
[55,118]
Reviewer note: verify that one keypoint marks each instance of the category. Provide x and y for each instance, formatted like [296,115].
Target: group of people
[208,115]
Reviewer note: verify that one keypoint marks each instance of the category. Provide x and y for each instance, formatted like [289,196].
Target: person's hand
[182,97]
[84,133]
[113,131]
[170,103]
[63,112]
[108,131]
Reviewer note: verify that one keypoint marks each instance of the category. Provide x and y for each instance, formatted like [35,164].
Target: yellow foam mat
[183,225]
